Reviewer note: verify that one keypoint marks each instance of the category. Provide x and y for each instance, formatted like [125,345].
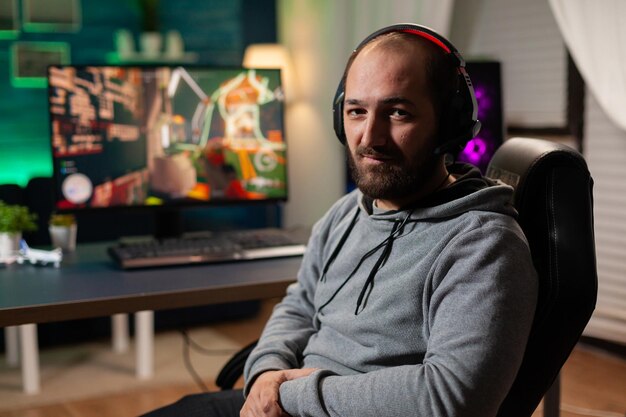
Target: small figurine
[38,256]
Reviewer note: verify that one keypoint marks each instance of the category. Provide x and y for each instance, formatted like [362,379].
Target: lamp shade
[272,55]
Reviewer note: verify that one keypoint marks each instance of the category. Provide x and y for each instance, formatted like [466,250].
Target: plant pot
[63,237]
[9,246]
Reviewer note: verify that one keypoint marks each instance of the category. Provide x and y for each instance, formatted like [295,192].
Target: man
[417,291]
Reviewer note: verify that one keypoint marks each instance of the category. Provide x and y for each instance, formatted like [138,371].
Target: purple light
[483,100]
[475,150]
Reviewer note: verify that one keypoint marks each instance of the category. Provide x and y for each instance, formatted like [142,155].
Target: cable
[589,412]
[206,351]
[188,344]
[189,366]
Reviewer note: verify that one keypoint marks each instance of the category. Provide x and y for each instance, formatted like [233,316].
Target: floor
[89,380]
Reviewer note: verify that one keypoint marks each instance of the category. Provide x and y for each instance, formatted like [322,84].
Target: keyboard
[209,247]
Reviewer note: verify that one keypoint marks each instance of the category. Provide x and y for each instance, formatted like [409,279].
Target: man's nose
[376,131]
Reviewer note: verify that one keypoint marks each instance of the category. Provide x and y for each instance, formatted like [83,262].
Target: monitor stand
[168,223]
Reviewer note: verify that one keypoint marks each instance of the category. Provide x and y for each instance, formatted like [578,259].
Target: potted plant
[62,228]
[14,219]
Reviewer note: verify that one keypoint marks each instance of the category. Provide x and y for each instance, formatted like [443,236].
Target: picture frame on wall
[30,60]
[9,20]
[51,15]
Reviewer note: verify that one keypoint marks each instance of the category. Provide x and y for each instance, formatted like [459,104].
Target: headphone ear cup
[457,116]
[448,125]
[457,125]
[338,113]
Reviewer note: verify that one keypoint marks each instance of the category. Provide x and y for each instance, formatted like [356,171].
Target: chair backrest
[553,195]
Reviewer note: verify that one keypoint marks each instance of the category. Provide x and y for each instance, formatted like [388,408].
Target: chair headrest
[521,159]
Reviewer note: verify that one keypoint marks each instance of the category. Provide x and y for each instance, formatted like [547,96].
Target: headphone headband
[430,37]
[418,30]
[459,118]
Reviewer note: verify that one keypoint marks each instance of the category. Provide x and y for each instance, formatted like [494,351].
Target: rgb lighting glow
[475,150]
[486,81]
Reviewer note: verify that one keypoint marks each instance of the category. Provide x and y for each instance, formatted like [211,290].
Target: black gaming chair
[553,194]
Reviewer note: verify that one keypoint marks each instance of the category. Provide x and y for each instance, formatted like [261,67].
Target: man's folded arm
[284,338]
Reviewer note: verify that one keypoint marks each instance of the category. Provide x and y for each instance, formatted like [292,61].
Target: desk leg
[119,332]
[12,346]
[144,339]
[30,358]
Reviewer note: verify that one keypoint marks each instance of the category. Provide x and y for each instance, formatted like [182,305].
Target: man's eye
[354,112]
[399,113]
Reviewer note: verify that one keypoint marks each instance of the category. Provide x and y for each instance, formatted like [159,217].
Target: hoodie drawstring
[342,241]
[369,283]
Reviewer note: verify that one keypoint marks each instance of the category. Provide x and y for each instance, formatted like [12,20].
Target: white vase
[9,245]
[151,43]
[63,237]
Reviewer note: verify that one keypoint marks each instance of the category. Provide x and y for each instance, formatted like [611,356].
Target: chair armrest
[233,369]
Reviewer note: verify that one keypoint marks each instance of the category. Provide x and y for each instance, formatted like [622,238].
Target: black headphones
[459,117]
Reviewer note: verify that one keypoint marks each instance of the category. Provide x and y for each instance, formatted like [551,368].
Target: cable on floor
[187,359]
[201,349]
[188,344]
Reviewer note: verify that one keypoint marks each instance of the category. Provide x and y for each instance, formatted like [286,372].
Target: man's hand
[263,399]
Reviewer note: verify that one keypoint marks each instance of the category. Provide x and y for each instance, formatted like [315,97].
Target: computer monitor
[165,136]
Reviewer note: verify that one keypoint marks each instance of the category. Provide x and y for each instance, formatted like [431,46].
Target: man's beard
[394,179]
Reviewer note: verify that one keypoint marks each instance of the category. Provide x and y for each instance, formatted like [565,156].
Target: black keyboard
[209,248]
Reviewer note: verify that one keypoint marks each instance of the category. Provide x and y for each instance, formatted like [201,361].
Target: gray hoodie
[421,312]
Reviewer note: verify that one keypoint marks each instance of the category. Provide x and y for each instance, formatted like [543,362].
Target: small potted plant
[14,219]
[62,228]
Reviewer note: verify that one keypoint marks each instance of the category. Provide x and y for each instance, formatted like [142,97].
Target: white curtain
[595,34]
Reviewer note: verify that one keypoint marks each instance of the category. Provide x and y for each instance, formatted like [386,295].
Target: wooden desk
[88,284]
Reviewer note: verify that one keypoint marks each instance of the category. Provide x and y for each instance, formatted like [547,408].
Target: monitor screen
[165,136]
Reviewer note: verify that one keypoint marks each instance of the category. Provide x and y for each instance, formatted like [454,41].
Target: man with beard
[417,291]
